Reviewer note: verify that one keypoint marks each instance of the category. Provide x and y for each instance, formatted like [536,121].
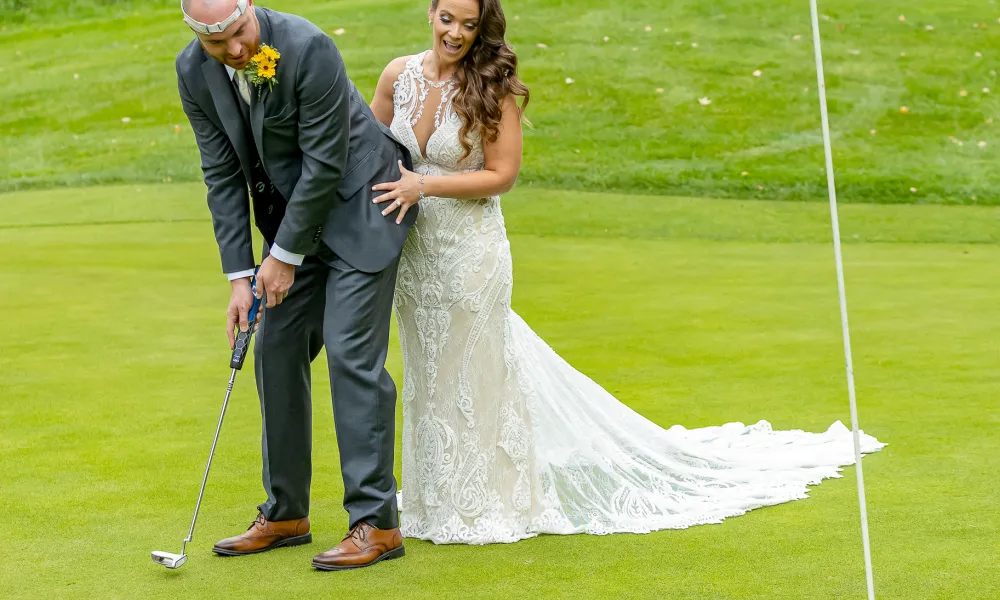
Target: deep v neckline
[416,140]
[441,112]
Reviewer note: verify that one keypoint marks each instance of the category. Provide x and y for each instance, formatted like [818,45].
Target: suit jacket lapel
[257,106]
[257,119]
[225,103]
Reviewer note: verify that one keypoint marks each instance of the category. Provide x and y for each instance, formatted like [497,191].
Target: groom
[273,110]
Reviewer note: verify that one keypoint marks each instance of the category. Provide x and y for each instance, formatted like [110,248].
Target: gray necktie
[244,87]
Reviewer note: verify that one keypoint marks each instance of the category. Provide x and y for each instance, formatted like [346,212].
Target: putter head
[169,560]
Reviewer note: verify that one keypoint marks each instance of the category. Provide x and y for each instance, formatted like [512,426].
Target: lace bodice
[443,147]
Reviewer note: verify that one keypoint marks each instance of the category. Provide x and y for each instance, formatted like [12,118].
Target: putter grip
[242,346]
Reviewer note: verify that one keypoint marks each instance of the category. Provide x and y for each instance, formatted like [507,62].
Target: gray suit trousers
[348,311]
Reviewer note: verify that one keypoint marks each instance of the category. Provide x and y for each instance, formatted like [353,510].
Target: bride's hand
[403,193]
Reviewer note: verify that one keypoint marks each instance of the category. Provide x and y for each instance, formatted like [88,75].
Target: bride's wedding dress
[502,439]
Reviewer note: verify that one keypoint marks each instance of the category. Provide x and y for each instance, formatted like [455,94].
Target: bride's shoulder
[387,81]
[395,67]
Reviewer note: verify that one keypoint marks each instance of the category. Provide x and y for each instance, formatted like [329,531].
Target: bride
[502,439]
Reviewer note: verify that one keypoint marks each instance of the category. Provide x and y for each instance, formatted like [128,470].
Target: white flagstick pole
[843,297]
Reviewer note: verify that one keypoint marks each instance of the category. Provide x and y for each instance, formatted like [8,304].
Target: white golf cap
[206,29]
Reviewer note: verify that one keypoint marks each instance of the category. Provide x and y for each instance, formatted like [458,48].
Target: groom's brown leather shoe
[364,546]
[264,535]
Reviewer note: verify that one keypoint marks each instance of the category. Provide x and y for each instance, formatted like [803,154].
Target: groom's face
[237,44]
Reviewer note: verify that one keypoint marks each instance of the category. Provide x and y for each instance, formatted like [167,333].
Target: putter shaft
[241,346]
[204,480]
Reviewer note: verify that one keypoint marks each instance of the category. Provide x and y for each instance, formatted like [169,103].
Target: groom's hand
[239,309]
[275,278]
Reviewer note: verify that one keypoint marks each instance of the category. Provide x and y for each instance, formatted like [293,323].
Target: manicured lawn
[699,312]
[609,130]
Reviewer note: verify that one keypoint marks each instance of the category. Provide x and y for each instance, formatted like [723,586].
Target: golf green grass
[697,312]
[113,360]
[631,119]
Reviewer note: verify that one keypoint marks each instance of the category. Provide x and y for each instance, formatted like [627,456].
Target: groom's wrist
[240,282]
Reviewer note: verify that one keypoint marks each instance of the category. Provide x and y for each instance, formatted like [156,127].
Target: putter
[242,345]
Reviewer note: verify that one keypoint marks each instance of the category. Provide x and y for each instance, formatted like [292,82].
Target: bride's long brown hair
[486,75]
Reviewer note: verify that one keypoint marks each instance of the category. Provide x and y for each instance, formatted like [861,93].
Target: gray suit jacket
[319,142]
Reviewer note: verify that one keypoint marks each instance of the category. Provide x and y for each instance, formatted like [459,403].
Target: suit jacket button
[270,208]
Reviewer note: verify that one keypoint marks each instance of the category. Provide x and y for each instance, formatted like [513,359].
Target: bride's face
[456,26]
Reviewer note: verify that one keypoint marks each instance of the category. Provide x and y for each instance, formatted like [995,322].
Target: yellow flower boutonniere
[263,68]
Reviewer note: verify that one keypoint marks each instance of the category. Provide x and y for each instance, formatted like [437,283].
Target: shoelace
[360,532]
[260,519]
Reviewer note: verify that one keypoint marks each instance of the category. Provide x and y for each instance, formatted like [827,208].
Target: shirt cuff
[240,274]
[285,256]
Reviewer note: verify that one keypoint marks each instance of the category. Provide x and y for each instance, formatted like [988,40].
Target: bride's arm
[382,102]
[502,163]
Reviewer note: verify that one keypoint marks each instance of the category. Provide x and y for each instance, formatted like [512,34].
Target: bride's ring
[399,202]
